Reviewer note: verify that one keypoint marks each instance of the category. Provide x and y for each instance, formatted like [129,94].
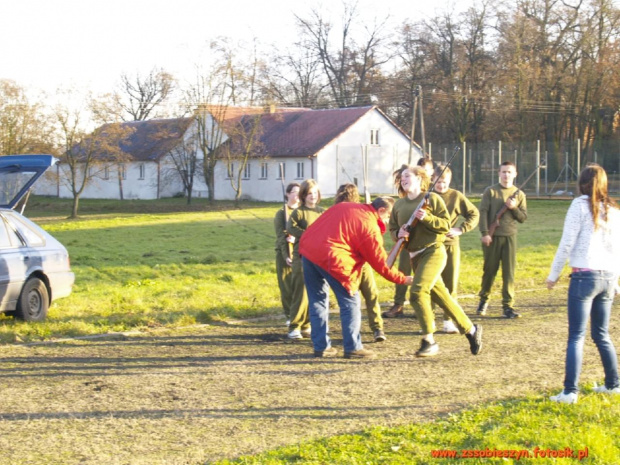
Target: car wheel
[33,301]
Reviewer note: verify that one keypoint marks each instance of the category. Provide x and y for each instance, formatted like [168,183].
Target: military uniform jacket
[459,206]
[429,231]
[279,223]
[493,199]
[298,222]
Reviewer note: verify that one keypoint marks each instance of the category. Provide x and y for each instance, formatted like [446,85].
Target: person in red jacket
[334,249]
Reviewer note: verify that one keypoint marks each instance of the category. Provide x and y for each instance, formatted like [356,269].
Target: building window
[374,137]
[300,170]
[106,172]
[246,171]
[263,170]
[122,171]
[282,171]
[231,170]
[142,171]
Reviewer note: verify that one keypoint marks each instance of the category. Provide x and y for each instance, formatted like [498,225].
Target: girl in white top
[591,243]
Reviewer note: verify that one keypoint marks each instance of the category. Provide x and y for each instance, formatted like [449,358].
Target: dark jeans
[590,296]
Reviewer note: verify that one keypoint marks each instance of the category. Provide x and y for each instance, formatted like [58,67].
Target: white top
[583,246]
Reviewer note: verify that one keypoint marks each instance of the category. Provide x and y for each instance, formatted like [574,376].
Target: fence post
[464,164]
[538,168]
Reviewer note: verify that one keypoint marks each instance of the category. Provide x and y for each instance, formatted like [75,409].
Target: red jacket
[343,238]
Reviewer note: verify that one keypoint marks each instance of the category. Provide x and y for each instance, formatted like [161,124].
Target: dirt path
[200,394]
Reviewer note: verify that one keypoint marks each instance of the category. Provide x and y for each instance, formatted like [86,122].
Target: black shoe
[395,312]
[482,308]
[509,312]
[475,340]
[427,349]
[379,335]
[329,352]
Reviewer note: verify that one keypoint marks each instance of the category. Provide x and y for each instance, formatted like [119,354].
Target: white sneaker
[565,398]
[288,323]
[603,390]
[449,327]
[295,334]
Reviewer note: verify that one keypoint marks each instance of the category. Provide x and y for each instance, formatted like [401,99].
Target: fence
[558,171]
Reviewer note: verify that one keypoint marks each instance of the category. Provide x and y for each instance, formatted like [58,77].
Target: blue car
[34,267]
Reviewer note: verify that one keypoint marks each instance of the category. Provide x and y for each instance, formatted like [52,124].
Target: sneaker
[603,390]
[329,352]
[482,308]
[306,333]
[360,354]
[509,312]
[288,323]
[379,335]
[475,340]
[427,349]
[395,312]
[562,398]
[449,327]
[294,334]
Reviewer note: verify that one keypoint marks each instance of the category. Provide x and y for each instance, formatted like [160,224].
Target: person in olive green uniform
[458,207]
[302,217]
[428,258]
[368,286]
[502,246]
[404,262]
[284,248]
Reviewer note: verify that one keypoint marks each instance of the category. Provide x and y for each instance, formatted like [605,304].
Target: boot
[395,312]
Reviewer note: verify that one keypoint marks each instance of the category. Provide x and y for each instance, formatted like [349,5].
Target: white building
[333,146]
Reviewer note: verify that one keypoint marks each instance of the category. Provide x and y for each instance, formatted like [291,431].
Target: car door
[18,173]
[13,265]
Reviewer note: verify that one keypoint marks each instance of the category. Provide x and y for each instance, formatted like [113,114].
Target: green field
[136,270]
[160,271]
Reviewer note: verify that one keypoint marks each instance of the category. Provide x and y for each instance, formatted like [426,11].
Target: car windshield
[12,182]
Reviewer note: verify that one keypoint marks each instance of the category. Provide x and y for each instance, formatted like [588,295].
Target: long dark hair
[593,183]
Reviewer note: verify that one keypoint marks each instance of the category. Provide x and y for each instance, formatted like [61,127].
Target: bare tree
[186,164]
[294,78]
[140,97]
[349,68]
[244,141]
[84,152]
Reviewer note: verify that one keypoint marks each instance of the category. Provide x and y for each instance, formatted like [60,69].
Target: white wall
[341,161]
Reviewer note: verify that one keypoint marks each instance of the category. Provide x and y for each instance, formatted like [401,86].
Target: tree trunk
[76,204]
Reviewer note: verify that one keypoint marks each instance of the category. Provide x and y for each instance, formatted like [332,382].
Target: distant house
[333,146]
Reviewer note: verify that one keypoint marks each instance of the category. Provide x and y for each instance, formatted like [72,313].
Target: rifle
[413,221]
[495,224]
[290,246]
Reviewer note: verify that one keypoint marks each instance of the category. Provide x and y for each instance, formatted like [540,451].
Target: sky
[89,44]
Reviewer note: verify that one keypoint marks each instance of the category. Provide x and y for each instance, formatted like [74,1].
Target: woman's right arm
[572,226]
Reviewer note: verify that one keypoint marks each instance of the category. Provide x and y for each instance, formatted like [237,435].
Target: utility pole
[417,98]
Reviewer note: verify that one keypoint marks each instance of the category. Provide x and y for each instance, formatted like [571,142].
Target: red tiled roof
[285,132]
[153,139]
[300,132]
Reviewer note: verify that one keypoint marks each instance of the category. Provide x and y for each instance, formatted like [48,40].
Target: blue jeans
[318,281]
[590,295]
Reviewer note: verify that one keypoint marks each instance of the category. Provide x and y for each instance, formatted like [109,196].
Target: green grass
[141,264]
[591,426]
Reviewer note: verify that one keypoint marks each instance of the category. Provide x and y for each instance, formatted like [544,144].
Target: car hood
[18,173]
